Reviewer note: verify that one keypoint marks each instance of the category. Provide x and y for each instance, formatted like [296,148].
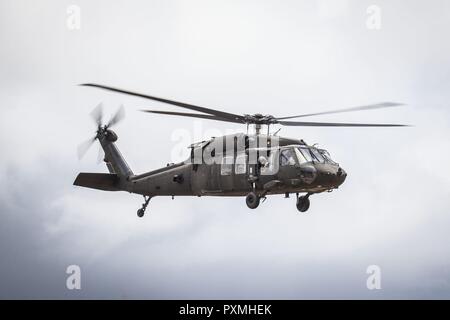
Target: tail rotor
[102,130]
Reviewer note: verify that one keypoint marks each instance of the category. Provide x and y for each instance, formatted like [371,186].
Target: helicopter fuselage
[253,166]
[282,169]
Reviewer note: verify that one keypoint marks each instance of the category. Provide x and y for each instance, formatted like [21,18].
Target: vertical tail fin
[113,158]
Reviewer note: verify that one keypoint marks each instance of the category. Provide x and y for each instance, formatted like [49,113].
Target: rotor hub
[259,119]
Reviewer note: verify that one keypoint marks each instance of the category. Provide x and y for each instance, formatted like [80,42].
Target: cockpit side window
[287,158]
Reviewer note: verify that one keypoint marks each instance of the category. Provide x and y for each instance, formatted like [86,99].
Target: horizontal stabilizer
[101,181]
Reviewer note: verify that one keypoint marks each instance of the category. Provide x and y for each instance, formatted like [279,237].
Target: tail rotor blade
[84,147]
[97,114]
[120,114]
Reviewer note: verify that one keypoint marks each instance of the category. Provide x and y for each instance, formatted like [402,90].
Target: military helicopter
[253,165]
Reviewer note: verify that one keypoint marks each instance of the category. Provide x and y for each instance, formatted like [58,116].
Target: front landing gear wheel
[140,213]
[252,200]
[303,203]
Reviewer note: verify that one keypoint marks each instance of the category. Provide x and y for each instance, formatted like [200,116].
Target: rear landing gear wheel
[303,203]
[141,211]
[252,200]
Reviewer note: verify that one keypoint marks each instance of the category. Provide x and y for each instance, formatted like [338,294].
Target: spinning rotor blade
[212,114]
[217,113]
[360,108]
[97,114]
[192,115]
[84,147]
[331,124]
[118,116]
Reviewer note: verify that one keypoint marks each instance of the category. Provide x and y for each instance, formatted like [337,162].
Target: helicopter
[251,165]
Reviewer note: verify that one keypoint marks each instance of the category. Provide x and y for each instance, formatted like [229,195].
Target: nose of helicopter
[331,176]
[340,176]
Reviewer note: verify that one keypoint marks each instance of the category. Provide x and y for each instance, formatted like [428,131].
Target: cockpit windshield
[317,155]
[326,155]
[305,154]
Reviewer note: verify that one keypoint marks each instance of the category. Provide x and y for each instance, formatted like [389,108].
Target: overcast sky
[270,57]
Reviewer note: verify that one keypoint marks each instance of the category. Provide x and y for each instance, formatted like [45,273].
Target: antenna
[276,132]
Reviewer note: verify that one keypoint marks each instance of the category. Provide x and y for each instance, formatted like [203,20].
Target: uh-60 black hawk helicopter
[252,165]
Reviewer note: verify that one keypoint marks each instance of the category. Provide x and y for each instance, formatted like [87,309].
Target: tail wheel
[252,200]
[303,203]
[141,210]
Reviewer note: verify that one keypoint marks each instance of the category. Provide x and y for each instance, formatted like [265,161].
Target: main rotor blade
[359,108]
[192,115]
[97,114]
[84,147]
[331,124]
[217,113]
[118,116]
